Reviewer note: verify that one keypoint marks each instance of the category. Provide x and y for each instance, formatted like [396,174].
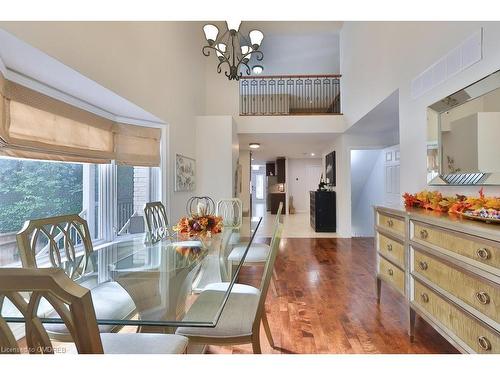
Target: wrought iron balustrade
[290,95]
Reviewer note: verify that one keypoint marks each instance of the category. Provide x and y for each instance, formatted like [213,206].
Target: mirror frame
[449,102]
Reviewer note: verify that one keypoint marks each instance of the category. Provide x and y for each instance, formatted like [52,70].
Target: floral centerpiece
[200,224]
[482,207]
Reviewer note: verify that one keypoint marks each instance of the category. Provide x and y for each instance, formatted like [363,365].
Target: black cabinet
[270,169]
[323,211]
[276,199]
[280,172]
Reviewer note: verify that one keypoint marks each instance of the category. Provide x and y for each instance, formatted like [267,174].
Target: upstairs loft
[286,95]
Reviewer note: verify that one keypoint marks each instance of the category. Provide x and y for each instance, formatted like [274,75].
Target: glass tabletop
[141,284]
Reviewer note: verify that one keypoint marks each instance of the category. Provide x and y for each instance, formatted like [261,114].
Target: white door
[392,171]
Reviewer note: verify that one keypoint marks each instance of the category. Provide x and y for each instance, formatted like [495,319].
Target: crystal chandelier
[233,48]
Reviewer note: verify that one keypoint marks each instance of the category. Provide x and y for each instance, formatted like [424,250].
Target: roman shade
[36,126]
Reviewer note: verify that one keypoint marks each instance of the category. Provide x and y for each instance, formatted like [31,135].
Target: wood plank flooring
[326,303]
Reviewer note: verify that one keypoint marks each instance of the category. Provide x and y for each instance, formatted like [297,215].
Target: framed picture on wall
[330,169]
[185,173]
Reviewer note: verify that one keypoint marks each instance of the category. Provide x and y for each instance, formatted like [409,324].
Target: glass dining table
[160,280]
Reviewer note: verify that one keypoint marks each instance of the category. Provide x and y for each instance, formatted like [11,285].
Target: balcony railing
[290,95]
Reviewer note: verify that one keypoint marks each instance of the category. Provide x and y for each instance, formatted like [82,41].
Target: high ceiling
[290,145]
[296,47]
[287,27]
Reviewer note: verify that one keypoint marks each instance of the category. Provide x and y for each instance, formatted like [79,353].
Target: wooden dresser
[448,269]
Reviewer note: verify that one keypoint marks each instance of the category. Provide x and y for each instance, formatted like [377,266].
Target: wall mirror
[463,136]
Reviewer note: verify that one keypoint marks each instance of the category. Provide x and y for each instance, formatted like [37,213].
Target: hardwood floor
[326,303]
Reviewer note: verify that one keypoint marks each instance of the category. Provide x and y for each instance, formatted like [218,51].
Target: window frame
[107,205]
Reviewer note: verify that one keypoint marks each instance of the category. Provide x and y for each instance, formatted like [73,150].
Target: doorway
[374,181]
[259,193]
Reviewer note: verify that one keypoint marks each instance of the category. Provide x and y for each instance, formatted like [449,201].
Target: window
[259,188]
[31,189]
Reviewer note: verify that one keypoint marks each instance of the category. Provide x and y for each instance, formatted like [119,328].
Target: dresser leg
[379,287]
[411,327]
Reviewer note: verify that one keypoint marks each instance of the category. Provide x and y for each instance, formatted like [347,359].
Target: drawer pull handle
[483,298]
[483,253]
[390,272]
[423,265]
[424,297]
[424,234]
[390,223]
[484,343]
[389,247]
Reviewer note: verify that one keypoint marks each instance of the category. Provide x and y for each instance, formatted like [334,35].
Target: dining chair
[231,211]
[194,203]
[156,221]
[65,242]
[257,253]
[240,320]
[74,305]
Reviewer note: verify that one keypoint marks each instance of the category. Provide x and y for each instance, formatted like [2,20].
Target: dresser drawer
[392,275]
[392,249]
[468,329]
[392,223]
[483,251]
[482,295]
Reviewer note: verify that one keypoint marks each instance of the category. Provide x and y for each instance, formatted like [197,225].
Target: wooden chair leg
[269,336]
[256,343]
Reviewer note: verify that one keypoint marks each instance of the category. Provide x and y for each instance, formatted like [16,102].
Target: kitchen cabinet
[280,172]
[270,169]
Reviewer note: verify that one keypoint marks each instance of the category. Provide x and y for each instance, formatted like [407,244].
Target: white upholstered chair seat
[257,253]
[143,343]
[237,316]
[110,301]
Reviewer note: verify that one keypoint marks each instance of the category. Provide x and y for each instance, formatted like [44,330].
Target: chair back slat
[54,240]
[156,221]
[231,211]
[72,302]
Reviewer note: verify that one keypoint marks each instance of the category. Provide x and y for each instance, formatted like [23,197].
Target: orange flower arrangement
[205,225]
[481,207]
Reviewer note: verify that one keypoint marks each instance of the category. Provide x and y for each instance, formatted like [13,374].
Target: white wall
[290,124]
[379,57]
[144,62]
[299,183]
[367,184]
[300,53]
[215,156]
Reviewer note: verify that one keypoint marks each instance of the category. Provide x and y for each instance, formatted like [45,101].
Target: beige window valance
[36,126]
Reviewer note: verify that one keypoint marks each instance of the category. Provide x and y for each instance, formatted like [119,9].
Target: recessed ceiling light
[254,145]
[313,154]
[257,69]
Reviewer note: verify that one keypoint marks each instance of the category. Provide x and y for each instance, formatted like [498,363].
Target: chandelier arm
[259,55]
[219,66]
[247,68]
[208,48]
